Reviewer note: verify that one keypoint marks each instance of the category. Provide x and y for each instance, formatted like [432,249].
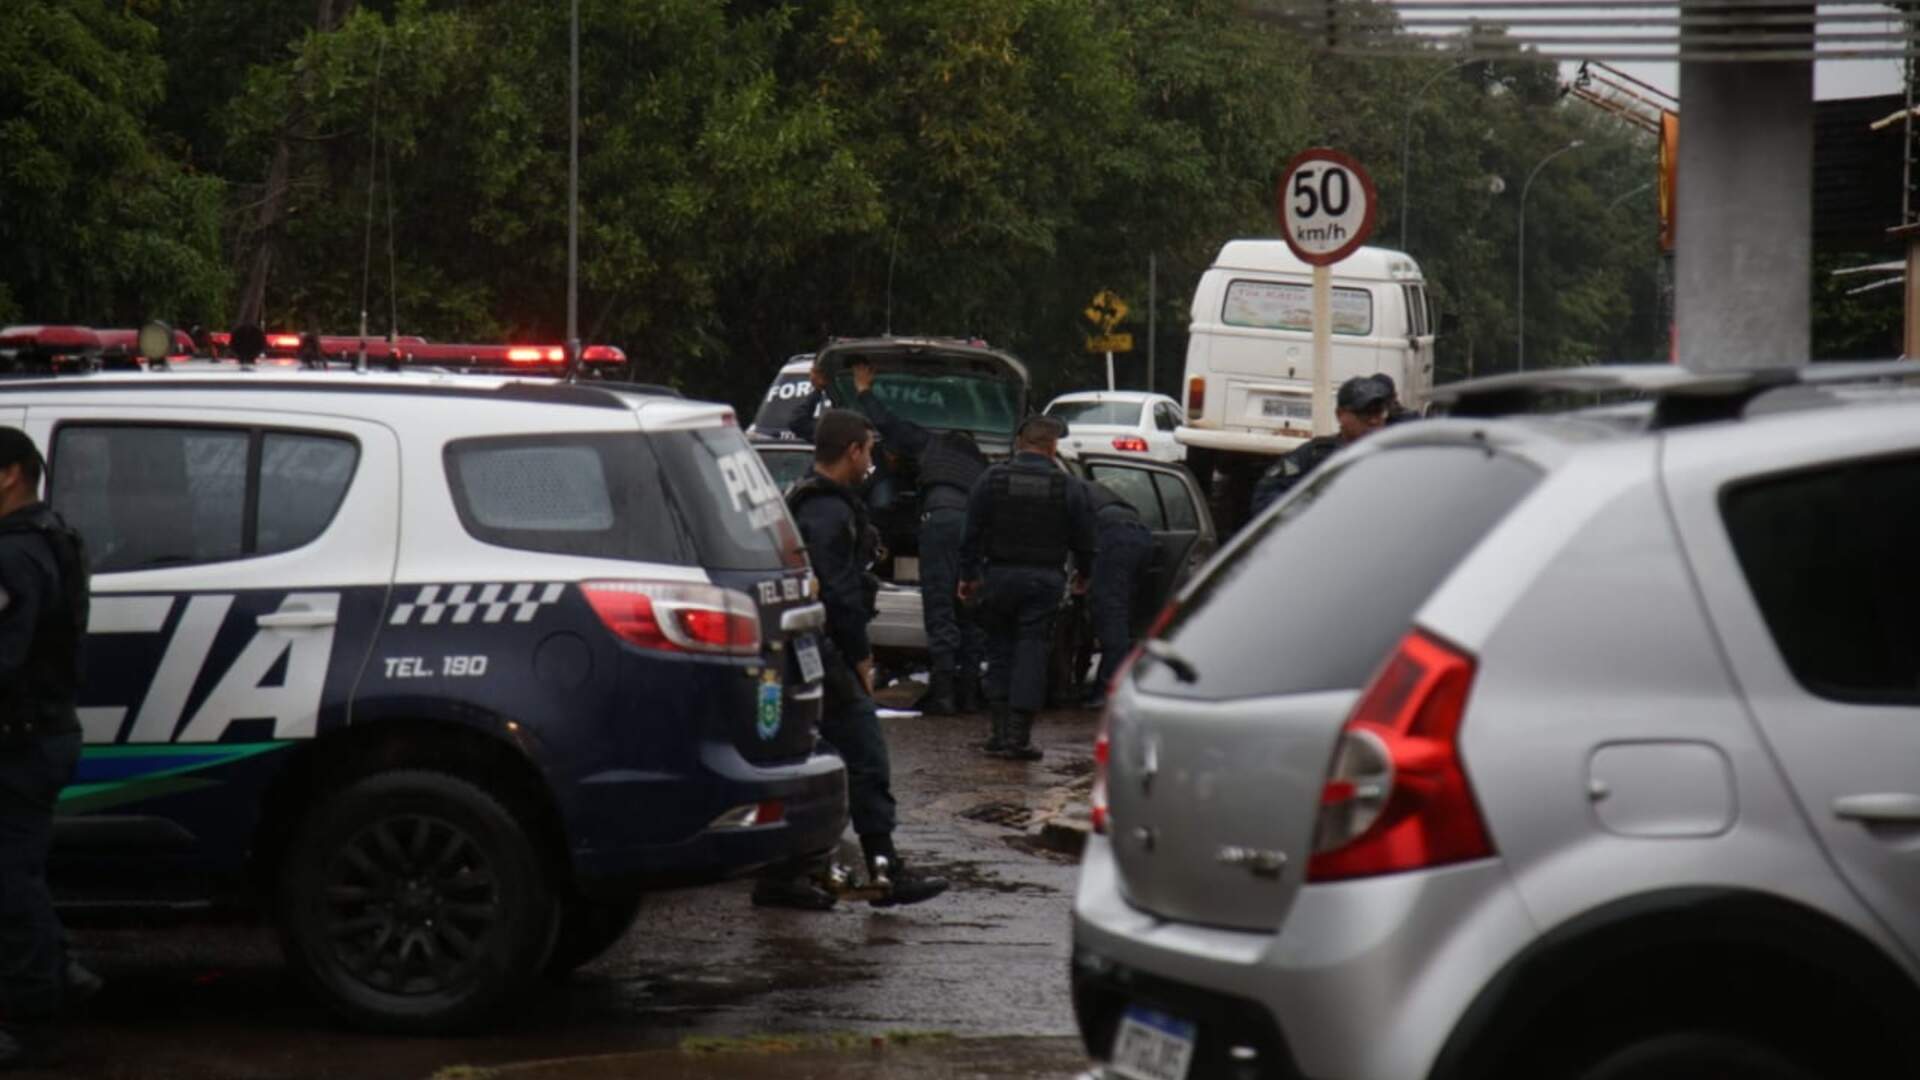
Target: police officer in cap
[1360,407]
[43,623]
[1396,412]
[832,518]
[1024,517]
[949,462]
[1125,548]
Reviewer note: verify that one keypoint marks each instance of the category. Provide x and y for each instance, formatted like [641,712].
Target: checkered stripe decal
[490,602]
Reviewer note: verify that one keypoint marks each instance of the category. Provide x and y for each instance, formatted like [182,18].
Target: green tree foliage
[758,174]
[98,225]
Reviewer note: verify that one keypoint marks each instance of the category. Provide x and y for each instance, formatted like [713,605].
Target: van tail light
[1132,443]
[672,616]
[1397,796]
[1196,396]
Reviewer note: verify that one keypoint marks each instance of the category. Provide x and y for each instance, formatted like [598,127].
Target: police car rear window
[785,403]
[1318,593]
[728,500]
[595,495]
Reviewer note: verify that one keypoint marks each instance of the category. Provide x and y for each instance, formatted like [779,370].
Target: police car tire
[587,929]
[505,953]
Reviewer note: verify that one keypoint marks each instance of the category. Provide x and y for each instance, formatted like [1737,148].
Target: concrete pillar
[1743,259]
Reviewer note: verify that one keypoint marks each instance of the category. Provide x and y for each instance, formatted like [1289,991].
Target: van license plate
[1152,1046]
[808,651]
[1283,408]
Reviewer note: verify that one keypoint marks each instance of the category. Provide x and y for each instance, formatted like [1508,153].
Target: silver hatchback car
[1527,746]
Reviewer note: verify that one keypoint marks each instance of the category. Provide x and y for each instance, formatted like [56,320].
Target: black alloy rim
[411,903]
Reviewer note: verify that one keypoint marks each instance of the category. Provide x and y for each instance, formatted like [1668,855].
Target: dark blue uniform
[1023,519]
[833,523]
[1125,551]
[949,464]
[1292,468]
[42,624]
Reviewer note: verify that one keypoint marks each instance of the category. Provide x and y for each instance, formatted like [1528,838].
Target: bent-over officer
[832,519]
[43,624]
[1361,409]
[1124,549]
[948,462]
[1024,517]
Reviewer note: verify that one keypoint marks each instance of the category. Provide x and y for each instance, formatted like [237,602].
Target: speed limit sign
[1327,205]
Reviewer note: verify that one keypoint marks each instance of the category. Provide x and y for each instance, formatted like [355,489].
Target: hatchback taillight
[1130,443]
[673,616]
[1397,796]
[1097,811]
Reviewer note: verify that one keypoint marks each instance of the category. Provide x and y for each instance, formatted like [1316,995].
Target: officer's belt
[944,497]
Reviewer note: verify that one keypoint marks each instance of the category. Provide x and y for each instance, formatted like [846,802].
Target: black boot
[908,887]
[966,690]
[996,743]
[938,698]
[1019,739]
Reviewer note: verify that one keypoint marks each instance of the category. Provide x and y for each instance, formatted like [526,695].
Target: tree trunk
[268,223]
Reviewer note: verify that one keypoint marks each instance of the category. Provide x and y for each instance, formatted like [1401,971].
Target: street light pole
[1406,143]
[573,193]
[1520,328]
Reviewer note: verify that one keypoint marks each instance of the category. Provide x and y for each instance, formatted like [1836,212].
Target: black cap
[1386,380]
[1361,394]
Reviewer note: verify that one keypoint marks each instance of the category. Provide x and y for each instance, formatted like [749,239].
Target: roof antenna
[573,200]
[892,251]
[373,170]
[393,274]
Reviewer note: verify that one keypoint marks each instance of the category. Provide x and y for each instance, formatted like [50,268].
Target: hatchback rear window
[1319,593]
[1117,413]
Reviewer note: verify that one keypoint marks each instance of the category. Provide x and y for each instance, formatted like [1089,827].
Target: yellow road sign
[1106,311]
[1110,343]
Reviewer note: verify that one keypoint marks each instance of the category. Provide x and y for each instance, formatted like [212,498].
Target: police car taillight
[1396,796]
[677,616]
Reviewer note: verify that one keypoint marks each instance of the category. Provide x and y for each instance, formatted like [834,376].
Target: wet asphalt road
[971,984]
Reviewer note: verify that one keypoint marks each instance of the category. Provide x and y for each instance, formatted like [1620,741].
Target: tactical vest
[1030,521]
[41,700]
[861,536]
[951,460]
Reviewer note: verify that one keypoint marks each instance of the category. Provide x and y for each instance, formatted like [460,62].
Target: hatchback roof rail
[1680,397]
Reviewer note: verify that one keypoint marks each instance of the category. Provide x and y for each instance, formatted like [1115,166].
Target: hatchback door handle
[297,620]
[1887,807]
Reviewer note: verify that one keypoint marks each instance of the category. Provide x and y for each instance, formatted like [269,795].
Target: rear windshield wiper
[1165,653]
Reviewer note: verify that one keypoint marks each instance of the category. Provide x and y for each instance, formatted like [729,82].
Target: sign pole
[1322,350]
[1110,370]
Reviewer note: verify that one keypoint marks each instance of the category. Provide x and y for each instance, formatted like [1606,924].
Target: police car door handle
[801,620]
[297,620]
[1881,808]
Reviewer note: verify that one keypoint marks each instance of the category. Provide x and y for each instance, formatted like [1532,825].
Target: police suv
[446,669]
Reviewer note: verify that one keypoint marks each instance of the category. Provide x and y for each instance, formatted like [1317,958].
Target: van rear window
[1322,589]
[1280,305]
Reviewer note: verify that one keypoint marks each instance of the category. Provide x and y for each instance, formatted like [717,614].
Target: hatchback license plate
[809,653]
[1152,1046]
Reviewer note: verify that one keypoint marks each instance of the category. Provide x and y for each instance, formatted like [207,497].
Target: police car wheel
[587,929]
[413,901]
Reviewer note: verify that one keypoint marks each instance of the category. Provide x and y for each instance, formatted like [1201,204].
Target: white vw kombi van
[1249,378]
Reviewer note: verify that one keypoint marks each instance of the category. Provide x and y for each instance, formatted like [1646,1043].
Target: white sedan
[1120,422]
